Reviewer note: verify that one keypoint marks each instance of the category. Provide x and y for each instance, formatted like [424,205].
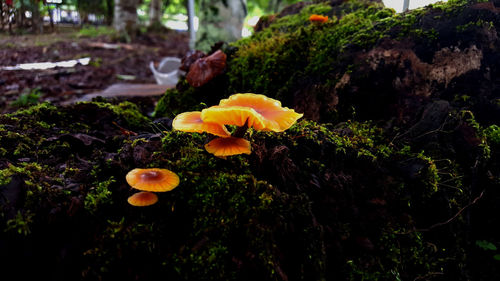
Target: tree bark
[220,20]
[155,13]
[51,16]
[2,15]
[36,19]
[20,22]
[125,18]
[109,11]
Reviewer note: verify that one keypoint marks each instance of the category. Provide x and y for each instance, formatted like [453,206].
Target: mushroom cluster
[242,110]
[149,181]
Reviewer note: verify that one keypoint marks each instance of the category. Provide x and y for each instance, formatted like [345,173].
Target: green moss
[256,215]
[99,194]
[92,32]
[138,141]
[302,206]
[263,62]
[289,23]
[174,102]
[492,134]
[25,169]
[127,111]
[474,24]
[185,153]
[292,54]
[36,110]
[452,7]
[20,224]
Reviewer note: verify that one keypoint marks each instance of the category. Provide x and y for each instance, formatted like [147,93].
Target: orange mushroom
[154,179]
[191,122]
[206,68]
[233,115]
[142,199]
[318,18]
[259,111]
[228,146]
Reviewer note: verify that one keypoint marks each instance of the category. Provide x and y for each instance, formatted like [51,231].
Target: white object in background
[398,5]
[406,5]
[168,71]
[191,16]
[47,65]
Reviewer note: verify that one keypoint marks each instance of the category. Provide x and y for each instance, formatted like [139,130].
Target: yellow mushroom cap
[275,117]
[233,115]
[228,146]
[191,122]
[142,199]
[154,179]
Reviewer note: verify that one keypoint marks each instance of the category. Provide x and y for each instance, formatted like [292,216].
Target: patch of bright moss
[127,111]
[24,170]
[265,62]
[99,194]
[284,210]
[174,102]
[292,53]
[493,134]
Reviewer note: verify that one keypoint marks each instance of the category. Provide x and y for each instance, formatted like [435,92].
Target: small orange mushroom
[270,115]
[154,179]
[206,68]
[191,122]
[228,146]
[142,199]
[318,18]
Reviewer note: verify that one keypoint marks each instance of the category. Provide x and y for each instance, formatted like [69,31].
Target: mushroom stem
[240,131]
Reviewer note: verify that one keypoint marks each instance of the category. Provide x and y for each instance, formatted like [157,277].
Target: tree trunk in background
[109,11]
[84,17]
[125,18]
[20,22]
[155,13]
[51,16]
[1,15]
[274,6]
[36,18]
[220,20]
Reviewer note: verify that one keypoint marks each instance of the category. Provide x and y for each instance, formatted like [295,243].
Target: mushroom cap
[191,122]
[274,117]
[233,115]
[206,68]
[228,146]
[190,58]
[142,199]
[154,179]
[318,18]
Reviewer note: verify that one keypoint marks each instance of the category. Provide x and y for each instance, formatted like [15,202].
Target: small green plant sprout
[28,97]
[149,181]
[20,223]
[488,246]
[242,110]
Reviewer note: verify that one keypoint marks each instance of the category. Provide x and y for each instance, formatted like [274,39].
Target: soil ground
[124,63]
